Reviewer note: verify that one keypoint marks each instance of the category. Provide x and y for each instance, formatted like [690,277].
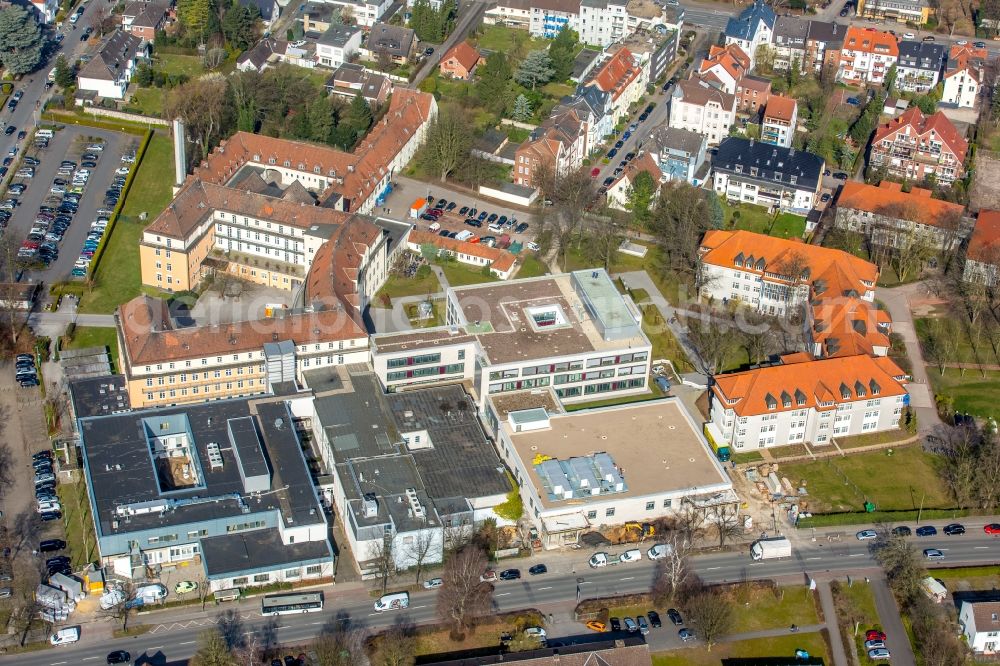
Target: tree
[65,77]
[212,650]
[448,142]
[382,556]
[725,520]
[522,109]
[21,40]
[125,605]
[562,53]
[679,219]
[495,80]
[712,614]
[384,59]
[396,647]
[463,597]
[672,571]
[322,119]
[640,197]
[195,16]
[203,105]
[239,26]
[713,341]
[534,70]
[897,556]
[421,549]
[359,116]
[10,264]
[341,645]
[889,82]
[243,87]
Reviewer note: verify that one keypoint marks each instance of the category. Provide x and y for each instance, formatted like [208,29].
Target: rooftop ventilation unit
[369,505]
[415,506]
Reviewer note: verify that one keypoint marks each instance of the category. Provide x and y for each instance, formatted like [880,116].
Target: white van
[464,235]
[45,133]
[436,226]
[65,636]
[396,601]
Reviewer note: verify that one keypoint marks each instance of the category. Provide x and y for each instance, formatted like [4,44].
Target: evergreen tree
[21,40]
[562,53]
[495,79]
[239,26]
[195,16]
[359,116]
[322,119]
[640,197]
[522,109]
[536,69]
[890,78]
[65,77]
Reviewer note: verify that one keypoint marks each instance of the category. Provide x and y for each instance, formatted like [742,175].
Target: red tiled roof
[617,73]
[870,41]
[644,162]
[984,243]
[730,57]
[922,125]
[780,108]
[501,260]
[889,198]
[781,388]
[464,54]
[336,266]
[849,328]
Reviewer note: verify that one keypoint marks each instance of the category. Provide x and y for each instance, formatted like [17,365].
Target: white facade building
[338,45]
[699,107]
[980,622]
[763,174]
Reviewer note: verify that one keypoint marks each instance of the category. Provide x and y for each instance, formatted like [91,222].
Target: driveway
[896,639]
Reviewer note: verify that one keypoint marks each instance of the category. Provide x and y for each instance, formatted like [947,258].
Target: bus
[284,604]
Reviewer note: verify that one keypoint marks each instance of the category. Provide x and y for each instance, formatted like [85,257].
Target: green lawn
[665,344]
[81,544]
[531,265]
[759,220]
[170,63]
[779,646]
[855,607]
[502,38]
[149,101]
[843,484]
[118,278]
[973,393]
[424,283]
[95,336]
[788,225]
[760,608]
[459,274]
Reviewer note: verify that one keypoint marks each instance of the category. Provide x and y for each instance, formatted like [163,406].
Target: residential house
[624,79]
[964,76]
[559,144]
[725,67]
[919,66]
[338,45]
[823,46]
[890,217]
[110,70]
[654,49]
[697,106]
[541,18]
[780,120]
[479,255]
[982,254]
[620,190]
[901,11]
[262,55]
[800,400]
[366,13]
[144,19]
[789,42]
[866,56]
[318,17]
[46,10]
[744,170]
[460,61]
[351,79]
[602,22]
[268,10]
[752,28]
[593,105]
[752,94]
[980,622]
[914,146]
[680,154]
[400,43]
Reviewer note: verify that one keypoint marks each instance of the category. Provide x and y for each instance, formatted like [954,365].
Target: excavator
[636,531]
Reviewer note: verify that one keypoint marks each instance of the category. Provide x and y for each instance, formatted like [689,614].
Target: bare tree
[463,597]
[396,647]
[690,522]
[212,650]
[423,548]
[382,555]
[712,615]
[898,558]
[725,521]
[672,571]
[10,265]
[384,60]
[713,341]
[457,536]
[203,105]
[125,603]
[341,644]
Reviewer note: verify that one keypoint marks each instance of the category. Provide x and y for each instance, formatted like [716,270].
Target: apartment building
[338,45]
[573,332]
[679,153]
[725,67]
[752,28]
[366,13]
[800,400]
[866,56]
[900,11]
[914,147]
[788,42]
[624,79]
[752,94]
[964,75]
[557,146]
[889,217]
[767,175]
[220,487]
[697,106]
[919,66]
[982,254]
[108,73]
[780,120]
[776,276]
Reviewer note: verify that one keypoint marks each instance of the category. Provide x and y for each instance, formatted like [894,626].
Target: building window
[243,580]
[261,578]
[314,570]
[650,506]
[667,503]
[610,512]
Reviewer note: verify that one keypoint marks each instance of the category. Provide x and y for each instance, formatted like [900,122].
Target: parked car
[616,624]
[902,530]
[538,569]
[867,535]
[954,529]
[433,583]
[880,654]
[654,619]
[686,635]
[926,531]
[643,625]
[510,574]
[594,625]
[630,625]
[874,635]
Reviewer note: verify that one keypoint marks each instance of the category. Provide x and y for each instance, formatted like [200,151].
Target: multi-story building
[479,255]
[596,467]
[890,217]
[980,622]
[108,73]
[901,11]
[654,49]
[776,276]
[223,485]
[964,76]
[624,79]
[780,120]
[823,46]
[700,107]
[866,56]
[763,174]
[752,28]
[143,19]
[982,254]
[558,146]
[725,67]
[914,147]
[620,191]
[397,42]
[752,94]
[788,42]
[338,45]
[46,10]
[573,331]
[679,153]
[800,400]
[366,13]
[919,66]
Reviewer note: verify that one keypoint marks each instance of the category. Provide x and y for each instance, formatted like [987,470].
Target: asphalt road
[176,638]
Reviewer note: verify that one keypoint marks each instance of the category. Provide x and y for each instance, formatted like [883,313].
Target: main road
[174,633]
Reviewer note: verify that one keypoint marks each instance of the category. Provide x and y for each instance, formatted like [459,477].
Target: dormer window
[271,160]
[845,392]
[859,389]
[288,163]
[786,400]
[771,402]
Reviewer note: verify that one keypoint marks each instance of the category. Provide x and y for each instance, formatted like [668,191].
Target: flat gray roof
[258,550]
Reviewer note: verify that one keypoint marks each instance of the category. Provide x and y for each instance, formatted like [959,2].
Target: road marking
[416,607]
[627,578]
[373,614]
[88,658]
[856,555]
[814,558]
[160,647]
[186,643]
[545,588]
[712,568]
[981,547]
[503,594]
[57,663]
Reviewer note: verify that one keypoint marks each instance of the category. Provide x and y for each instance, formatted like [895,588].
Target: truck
[721,452]
[418,208]
[769,549]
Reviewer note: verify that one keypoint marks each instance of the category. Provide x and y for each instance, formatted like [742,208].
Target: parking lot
[68,144]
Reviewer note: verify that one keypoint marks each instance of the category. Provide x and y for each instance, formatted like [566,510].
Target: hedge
[66,118]
[116,213]
[863,518]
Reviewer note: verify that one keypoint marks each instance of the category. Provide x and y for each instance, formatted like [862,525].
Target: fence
[129,117]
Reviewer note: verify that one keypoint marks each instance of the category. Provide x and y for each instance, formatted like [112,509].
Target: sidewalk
[838,654]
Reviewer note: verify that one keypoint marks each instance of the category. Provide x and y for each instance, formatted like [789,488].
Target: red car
[874,635]
[595,172]
[992,528]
